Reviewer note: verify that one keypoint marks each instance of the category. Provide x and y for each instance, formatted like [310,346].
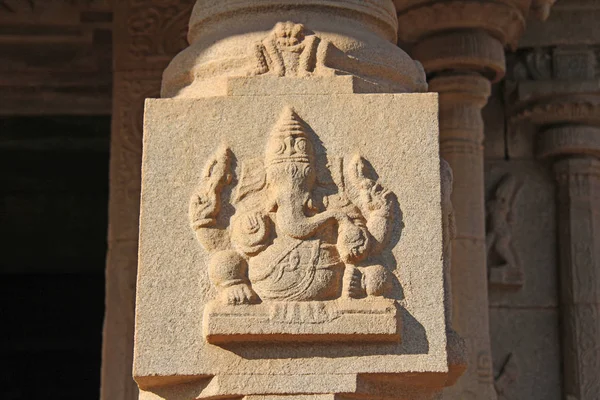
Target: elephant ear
[252,180]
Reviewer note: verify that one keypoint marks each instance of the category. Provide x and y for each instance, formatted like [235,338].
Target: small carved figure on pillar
[505,270]
[289,51]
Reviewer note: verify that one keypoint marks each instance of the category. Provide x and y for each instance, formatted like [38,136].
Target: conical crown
[289,140]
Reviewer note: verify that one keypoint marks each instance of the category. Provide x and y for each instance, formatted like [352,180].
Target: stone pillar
[147,34]
[285,251]
[461,46]
[561,102]
[578,181]
[461,144]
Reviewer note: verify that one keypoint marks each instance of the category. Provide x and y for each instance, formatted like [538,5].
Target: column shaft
[147,34]
[579,220]
[461,144]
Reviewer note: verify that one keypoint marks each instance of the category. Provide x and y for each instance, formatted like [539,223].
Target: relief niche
[299,245]
[505,269]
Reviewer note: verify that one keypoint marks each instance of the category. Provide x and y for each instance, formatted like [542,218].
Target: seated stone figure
[286,240]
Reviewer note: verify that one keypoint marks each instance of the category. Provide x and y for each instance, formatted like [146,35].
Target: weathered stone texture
[174,287]
[530,336]
[148,35]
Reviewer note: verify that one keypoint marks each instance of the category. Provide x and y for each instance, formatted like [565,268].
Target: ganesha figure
[294,235]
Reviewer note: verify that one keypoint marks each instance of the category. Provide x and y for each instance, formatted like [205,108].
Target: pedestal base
[361,320]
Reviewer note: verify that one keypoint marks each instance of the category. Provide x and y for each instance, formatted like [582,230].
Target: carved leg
[376,280]
[228,271]
[352,283]
[505,251]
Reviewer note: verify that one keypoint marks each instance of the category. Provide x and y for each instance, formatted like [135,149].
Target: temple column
[294,237]
[562,105]
[461,46]
[578,179]
[461,144]
[147,34]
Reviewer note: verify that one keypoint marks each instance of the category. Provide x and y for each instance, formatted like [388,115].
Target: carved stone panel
[279,238]
[301,232]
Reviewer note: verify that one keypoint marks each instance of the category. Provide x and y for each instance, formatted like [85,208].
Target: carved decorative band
[470,51]
[502,21]
[576,168]
[569,140]
[460,147]
[575,111]
[472,85]
[382,11]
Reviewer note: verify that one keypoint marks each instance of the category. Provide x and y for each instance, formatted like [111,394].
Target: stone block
[526,350]
[297,321]
[328,204]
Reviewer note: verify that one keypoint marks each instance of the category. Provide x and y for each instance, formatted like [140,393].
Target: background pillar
[147,34]
[563,108]
[461,46]
[578,181]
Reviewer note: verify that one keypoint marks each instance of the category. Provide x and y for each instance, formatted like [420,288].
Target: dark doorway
[53,222]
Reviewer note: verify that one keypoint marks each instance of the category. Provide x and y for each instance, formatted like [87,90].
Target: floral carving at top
[157,33]
[505,270]
[294,237]
[290,51]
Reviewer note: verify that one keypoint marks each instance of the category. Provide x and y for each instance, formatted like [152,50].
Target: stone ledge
[375,320]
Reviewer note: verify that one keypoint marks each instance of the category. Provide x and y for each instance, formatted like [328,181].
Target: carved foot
[353,286]
[366,281]
[376,280]
[239,294]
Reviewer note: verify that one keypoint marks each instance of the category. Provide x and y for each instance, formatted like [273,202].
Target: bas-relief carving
[509,373]
[535,64]
[290,50]
[505,269]
[299,231]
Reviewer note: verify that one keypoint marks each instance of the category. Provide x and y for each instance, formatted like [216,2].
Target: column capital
[504,21]
[555,90]
[233,39]
[569,140]
[465,35]
[465,87]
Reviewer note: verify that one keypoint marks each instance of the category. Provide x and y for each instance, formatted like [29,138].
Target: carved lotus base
[375,320]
